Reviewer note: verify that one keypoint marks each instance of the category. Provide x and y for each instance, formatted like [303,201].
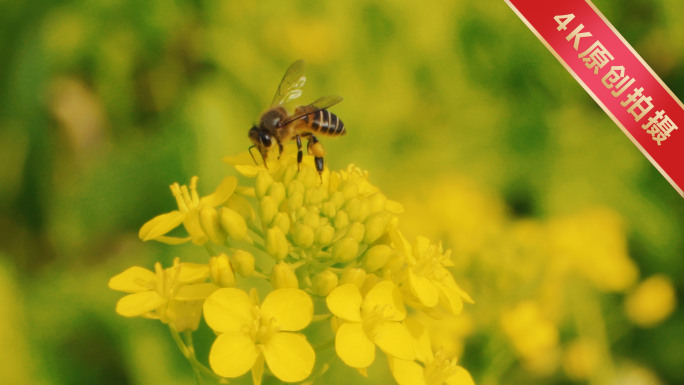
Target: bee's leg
[280,149]
[299,150]
[315,148]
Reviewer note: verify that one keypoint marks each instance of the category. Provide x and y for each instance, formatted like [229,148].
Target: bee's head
[262,140]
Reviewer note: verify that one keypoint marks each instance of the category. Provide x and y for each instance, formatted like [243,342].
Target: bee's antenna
[250,153]
[253,158]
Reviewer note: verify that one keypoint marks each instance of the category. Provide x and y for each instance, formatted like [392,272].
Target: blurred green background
[104,104]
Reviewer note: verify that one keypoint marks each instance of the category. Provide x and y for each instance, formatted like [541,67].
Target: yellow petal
[292,309]
[139,303]
[407,372]
[160,225]
[232,355]
[394,339]
[133,280]
[172,240]
[223,192]
[423,289]
[353,346]
[421,339]
[198,291]
[460,377]
[289,356]
[386,296]
[192,273]
[229,310]
[345,302]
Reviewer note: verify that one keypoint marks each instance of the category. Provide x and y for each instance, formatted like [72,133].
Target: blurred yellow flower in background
[652,301]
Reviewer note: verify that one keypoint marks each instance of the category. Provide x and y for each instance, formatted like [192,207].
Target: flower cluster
[325,253]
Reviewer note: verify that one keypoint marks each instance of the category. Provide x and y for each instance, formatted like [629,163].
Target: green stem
[189,353]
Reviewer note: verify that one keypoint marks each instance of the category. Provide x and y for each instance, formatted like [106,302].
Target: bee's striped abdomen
[325,122]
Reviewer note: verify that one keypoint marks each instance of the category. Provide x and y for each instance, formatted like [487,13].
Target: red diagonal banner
[616,77]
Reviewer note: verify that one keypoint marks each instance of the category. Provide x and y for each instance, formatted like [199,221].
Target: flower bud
[337,199]
[314,196]
[276,243]
[277,191]
[221,271]
[282,220]
[295,200]
[312,219]
[377,257]
[242,206]
[328,209]
[233,223]
[290,174]
[209,221]
[267,210]
[283,277]
[323,283]
[308,177]
[243,262]
[377,202]
[341,220]
[303,236]
[262,183]
[345,249]
[356,231]
[375,227]
[353,209]
[324,235]
[349,190]
[355,276]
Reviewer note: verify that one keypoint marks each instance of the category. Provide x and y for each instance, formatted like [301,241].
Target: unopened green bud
[353,209]
[377,257]
[354,276]
[345,249]
[323,283]
[324,235]
[283,277]
[221,271]
[262,183]
[375,227]
[267,210]
[341,220]
[233,223]
[356,231]
[303,236]
[282,220]
[243,262]
[276,243]
[209,220]
[277,191]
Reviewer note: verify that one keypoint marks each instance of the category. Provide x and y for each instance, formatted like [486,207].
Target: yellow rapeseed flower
[250,334]
[652,301]
[173,295]
[198,215]
[368,322]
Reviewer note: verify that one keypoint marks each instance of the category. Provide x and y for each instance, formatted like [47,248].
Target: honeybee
[277,125]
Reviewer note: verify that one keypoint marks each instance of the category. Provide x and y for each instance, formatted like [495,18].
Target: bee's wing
[290,87]
[320,104]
